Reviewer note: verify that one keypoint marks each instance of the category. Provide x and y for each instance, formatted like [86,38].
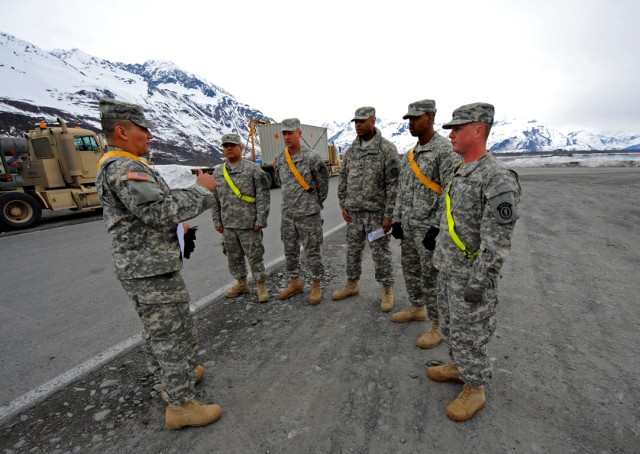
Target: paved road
[61,304]
[340,377]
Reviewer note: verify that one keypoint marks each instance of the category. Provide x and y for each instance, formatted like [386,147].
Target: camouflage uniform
[238,217]
[416,208]
[142,214]
[484,197]
[301,218]
[367,189]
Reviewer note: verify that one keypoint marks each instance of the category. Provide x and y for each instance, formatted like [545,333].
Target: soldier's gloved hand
[429,240]
[396,231]
[189,241]
[472,295]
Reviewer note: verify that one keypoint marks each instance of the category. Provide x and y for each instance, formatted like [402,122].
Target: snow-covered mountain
[192,114]
[506,136]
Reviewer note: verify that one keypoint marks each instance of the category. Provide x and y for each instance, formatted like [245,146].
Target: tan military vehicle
[51,168]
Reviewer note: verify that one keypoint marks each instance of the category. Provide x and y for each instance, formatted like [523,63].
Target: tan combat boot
[263,296]
[470,401]
[240,288]
[387,298]
[351,289]
[416,313]
[448,372]
[295,286]
[316,292]
[431,338]
[192,413]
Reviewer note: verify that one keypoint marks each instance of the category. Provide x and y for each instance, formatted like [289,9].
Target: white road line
[63,380]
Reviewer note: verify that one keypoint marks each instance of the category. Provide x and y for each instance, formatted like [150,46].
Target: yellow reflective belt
[234,188]
[426,181]
[452,232]
[295,172]
[124,154]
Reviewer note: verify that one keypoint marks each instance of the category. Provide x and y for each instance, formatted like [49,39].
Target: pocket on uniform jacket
[468,313]
[144,192]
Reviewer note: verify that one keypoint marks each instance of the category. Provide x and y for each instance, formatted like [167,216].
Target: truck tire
[19,210]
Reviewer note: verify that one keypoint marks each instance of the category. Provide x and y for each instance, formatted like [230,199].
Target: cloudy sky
[567,63]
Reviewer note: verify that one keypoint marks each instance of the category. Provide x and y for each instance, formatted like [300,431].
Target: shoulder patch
[138,176]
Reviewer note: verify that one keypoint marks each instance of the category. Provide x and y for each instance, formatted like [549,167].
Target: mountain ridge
[192,113]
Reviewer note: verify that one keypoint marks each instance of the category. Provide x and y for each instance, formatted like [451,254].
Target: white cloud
[569,63]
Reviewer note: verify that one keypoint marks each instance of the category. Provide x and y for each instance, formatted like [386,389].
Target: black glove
[396,231]
[472,295]
[429,240]
[189,241]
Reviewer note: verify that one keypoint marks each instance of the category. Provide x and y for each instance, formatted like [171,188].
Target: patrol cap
[419,108]
[364,113]
[469,113]
[231,138]
[290,124]
[111,109]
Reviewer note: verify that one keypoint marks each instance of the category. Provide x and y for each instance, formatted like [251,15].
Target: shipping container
[272,143]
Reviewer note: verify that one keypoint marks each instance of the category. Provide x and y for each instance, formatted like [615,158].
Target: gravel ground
[340,377]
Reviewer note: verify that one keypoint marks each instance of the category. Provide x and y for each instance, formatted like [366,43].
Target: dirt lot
[342,378]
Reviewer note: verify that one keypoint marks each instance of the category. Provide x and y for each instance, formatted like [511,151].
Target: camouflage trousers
[162,303]
[420,276]
[308,232]
[467,328]
[362,223]
[241,243]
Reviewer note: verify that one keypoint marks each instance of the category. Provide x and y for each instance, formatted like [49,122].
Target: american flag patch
[138,176]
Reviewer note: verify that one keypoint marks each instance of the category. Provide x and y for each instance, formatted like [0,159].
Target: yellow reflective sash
[124,154]
[295,172]
[452,232]
[426,181]
[234,188]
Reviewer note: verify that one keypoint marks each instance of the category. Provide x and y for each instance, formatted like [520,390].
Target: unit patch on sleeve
[504,209]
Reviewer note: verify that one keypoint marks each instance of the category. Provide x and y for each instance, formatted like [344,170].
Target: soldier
[305,185]
[367,195]
[240,212]
[475,239]
[425,169]
[142,213]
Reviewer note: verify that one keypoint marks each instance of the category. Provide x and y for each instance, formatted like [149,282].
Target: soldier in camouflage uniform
[474,241]
[302,201]
[142,214]
[367,195]
[240,212]
[419,198]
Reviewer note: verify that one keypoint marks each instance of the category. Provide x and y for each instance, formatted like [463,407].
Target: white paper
[377,234]
[180,233]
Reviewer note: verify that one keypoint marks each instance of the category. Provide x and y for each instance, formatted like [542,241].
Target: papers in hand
[180,235]
[377,234]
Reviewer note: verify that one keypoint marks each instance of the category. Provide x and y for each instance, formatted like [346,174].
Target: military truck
[271,143]
[50,168]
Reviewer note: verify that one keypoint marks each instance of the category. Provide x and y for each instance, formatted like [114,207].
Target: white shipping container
[272,143]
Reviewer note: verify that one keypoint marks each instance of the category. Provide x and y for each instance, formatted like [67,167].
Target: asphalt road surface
[340,377]
[62,304]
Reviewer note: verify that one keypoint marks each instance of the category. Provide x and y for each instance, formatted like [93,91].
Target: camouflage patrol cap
[469,113]
[231,138]
[364,113]
[111,109]
[290,124]
[419,108]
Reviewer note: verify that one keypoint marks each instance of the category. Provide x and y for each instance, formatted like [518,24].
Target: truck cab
[51,168]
